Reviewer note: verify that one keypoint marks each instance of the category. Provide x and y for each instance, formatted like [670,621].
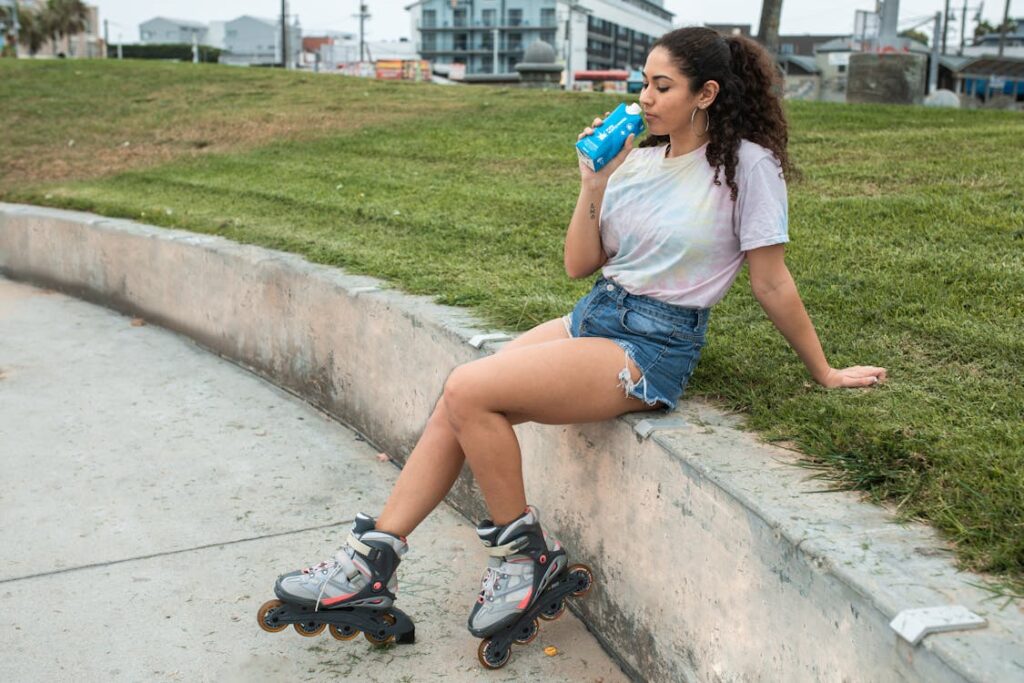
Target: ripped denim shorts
[663,340]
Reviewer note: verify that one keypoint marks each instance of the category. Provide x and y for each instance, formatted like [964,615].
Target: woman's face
[666,98]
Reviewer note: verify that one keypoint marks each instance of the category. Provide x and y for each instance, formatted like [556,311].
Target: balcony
[447,26]
[459,52]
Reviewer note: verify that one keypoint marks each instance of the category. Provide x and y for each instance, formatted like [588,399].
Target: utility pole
[568,56]
[945,27]
[1002,29]
[363,16]
[106,38]
[933,68]
[284,34]
[963,28]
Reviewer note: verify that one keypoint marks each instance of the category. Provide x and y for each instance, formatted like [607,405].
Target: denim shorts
[663,340]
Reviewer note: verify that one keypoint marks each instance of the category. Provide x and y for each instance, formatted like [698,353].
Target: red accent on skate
[543,559]
[525,601]
[376,586]
[336,600]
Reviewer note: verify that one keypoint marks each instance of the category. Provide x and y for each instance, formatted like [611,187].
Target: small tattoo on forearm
[593,211]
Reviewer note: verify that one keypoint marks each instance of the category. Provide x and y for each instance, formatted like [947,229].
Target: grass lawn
[907,229]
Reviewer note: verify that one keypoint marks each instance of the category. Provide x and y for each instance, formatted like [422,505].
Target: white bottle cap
[633,109]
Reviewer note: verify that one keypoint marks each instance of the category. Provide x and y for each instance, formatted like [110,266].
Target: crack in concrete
[174,552]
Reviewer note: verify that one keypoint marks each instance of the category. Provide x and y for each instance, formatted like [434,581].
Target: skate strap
[509,548]
[358,545]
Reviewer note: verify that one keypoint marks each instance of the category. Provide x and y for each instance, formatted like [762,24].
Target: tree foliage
[919,36]
[32,31]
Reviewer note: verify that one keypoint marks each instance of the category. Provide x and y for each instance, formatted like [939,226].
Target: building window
[460,17]
[841,68]
[487,64]
[515,17]
[515,41]
[430,42]
[429,18]
[487,41]
[547,16]
[548,37]
[786,48]
[461,41]
[489,16]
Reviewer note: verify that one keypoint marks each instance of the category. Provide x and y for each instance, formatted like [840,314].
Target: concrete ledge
[714,559]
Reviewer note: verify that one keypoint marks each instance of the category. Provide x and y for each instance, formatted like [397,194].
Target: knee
[457,396]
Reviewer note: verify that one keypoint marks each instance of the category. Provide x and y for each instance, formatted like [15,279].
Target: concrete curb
[711,561]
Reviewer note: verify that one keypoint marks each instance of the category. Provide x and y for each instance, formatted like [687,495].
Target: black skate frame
[369,621]
[551,601]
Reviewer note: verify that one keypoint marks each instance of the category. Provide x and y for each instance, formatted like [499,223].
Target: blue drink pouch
[601,146]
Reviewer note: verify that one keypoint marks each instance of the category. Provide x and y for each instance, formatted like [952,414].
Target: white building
[346,51]
[253,40]
[165,30]
[491,36]
[215,34]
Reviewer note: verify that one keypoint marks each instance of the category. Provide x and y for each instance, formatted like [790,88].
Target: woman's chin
[655,127]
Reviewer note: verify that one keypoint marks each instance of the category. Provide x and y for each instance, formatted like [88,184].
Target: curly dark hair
[748,104]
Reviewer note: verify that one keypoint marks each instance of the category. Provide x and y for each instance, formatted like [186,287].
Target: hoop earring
[707,124]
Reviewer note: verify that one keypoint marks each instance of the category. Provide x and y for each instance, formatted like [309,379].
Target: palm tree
[32,33]
[768,33]
[65,18]
[30,30]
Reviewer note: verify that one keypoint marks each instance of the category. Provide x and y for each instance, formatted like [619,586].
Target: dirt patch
[219,134]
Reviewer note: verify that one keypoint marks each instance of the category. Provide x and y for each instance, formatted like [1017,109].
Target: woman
[670,223]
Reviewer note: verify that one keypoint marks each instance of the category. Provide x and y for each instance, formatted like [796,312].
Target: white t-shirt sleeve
[763,206]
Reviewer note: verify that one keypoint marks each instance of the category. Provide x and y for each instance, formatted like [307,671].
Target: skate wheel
[553,611]
[344,632]
[583,577]
[375,638]
[309,628]
[490,656]
[527,632]
[270,626]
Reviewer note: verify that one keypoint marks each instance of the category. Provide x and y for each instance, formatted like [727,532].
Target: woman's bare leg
[434,464]
[567,381]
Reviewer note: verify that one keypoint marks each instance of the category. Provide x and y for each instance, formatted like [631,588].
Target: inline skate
[526,578]
[353,593]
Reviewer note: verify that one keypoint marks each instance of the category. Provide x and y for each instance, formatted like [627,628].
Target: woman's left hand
[857,376]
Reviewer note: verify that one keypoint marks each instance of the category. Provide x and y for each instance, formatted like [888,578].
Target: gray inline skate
[353,593]
[526,578]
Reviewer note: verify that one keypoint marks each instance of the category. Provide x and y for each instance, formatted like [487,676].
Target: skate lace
[491,582]
[342,562]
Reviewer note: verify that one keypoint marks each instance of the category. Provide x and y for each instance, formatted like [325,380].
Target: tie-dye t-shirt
[672,234]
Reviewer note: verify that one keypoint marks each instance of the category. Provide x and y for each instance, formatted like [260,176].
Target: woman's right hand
[601,177]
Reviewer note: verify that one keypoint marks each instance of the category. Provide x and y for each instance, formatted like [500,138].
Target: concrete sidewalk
[151,494]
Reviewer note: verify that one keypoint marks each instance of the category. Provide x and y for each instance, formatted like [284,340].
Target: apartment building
[491,36]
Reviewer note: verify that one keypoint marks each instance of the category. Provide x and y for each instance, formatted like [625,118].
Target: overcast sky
[390,21]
